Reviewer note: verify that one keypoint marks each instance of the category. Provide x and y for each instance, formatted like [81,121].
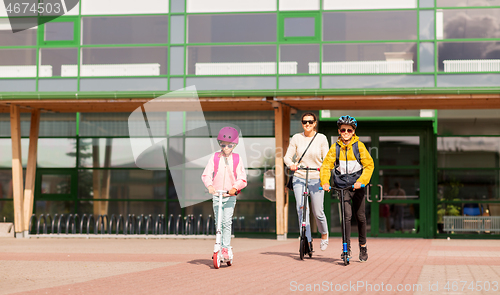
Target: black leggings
[358,204]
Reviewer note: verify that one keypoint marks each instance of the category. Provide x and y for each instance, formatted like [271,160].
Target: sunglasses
[304,122]
[228,145]
[343,130]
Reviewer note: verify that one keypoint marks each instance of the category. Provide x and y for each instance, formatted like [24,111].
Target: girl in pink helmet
[225,171]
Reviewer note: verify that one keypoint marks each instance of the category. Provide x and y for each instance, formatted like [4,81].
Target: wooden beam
[17,168]
[282,135]
[29,190]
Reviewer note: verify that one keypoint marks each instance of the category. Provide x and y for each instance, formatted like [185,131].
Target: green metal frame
[282,16]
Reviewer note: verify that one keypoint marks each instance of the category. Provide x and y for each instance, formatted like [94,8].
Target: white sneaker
[324,244]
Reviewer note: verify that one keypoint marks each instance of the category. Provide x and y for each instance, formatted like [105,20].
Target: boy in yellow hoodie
[354,168]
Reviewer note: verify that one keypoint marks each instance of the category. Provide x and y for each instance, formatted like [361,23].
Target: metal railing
[362,67]
[471,224]
[472,65]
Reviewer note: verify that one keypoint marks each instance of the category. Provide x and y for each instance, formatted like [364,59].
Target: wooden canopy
[369,102]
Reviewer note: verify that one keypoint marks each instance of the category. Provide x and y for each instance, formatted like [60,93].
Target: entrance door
[401,188]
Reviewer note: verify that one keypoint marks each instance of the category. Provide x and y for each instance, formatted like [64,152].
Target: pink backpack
[236,161]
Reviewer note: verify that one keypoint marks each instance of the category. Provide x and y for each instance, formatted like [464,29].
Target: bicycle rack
[170,223]
[31,222]
[61,217]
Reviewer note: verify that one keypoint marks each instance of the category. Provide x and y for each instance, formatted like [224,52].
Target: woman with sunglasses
[225,171]
[356,168]
[312,158]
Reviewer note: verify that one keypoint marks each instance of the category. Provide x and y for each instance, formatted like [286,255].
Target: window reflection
[399,150]
[480,152]
[373,25]
[456,185]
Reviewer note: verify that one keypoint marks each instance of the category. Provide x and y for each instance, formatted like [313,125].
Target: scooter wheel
[216,260]
[346,260]
[230,262]
[302,249]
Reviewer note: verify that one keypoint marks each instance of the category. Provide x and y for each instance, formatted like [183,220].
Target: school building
[422,77]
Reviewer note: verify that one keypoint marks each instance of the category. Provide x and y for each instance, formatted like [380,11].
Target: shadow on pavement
[297,257]
[207,262]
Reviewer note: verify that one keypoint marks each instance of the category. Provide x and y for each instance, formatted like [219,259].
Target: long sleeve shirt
[313,157]
[224,179]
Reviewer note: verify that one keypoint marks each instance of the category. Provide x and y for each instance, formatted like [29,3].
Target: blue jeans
[227,217]
[316,201]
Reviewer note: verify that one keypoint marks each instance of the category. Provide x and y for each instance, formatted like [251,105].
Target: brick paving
[261,266]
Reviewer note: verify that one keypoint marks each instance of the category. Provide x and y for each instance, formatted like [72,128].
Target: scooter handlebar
[321,188]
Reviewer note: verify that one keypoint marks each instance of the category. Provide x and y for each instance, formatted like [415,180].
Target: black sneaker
[348,254]
[363,254]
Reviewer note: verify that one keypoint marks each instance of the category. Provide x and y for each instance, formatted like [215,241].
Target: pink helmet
[228,134]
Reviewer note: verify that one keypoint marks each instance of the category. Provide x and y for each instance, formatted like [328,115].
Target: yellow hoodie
[349,165]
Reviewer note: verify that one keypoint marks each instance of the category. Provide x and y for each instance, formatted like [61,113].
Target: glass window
[21,38]
[302,56]
[367,58]
[468,56]
[373,25]
[426,57]
[7,211]
[124,6]
[68,85]
[456,3]
[229,5]
[468,152]
[177,5]
[121,61]
[233,60]
[124,84]
[124,208]
[472,80]
[232,83]
[176,84]
[426,3]
[299,26]
[57,124]
[467,122]
[299,82]
[426,24]
[251,123]
[107,152]
[125,30]
[363,4]
[5,185]
[55,184]
[123,184]
[399,150]
[176,60]
[104,124]
[59,31]
[232,28]
[299,5]
[373,81]
[54,207]
[56,152]
[177,29]
[471,23]
[468,184]
[400,184]
[54,58]
[19,62]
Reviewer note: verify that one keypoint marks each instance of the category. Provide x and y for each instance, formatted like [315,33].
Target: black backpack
[346,180]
